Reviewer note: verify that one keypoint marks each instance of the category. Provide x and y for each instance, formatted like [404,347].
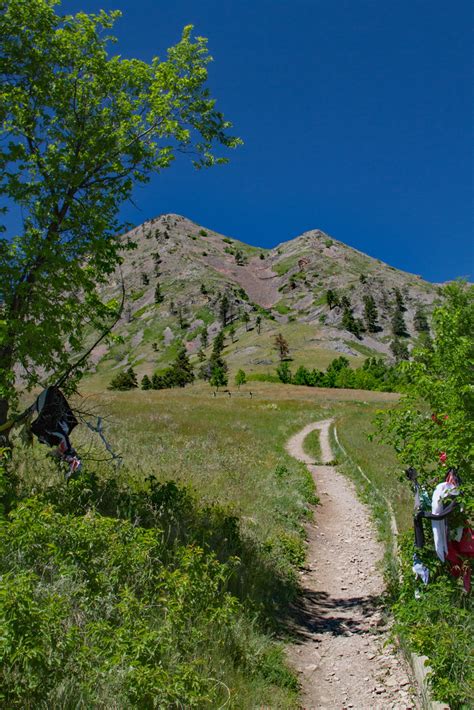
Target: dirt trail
[338,623]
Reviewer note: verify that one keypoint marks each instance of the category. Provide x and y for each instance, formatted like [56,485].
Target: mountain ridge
[191,267]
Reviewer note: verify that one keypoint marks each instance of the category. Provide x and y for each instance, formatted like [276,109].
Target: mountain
[287,286]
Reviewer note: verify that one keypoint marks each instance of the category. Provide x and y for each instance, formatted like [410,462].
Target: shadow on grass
[266,584]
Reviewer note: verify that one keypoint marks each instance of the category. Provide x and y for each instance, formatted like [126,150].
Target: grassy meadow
[209,478]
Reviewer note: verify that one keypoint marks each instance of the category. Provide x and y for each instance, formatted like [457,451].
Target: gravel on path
[341,649]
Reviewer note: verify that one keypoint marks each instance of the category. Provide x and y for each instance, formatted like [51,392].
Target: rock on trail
[340,648]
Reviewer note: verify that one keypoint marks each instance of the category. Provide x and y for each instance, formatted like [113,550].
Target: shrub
[126,380]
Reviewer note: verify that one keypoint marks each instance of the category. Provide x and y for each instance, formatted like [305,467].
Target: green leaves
[82,127]
[436,414]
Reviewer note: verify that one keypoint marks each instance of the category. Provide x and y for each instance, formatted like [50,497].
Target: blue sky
[356,115]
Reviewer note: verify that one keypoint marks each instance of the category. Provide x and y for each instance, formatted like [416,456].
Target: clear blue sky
[356,115]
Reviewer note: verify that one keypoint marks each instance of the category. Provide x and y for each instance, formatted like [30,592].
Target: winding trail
[340,648]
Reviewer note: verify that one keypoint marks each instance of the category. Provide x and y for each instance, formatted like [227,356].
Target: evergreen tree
[159,298]
[399,301]
[399,328]
[344,302]
[204,338]
[258,324]
[420,321]
[331,298]
[218,343]
[223,310]
[282,346]
[182,370]
[232,333]
[353,325]
[399,350]
[146,383]
[246,320]
[370,313]
[124,380]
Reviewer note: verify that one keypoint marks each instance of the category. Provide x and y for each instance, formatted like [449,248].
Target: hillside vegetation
[179,273]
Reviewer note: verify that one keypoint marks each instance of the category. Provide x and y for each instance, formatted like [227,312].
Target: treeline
[374,374]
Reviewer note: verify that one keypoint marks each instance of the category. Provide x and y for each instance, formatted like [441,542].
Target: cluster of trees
[375,374]
[370,322]
[179,374]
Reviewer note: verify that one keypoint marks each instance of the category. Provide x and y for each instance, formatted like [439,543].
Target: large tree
[79,127]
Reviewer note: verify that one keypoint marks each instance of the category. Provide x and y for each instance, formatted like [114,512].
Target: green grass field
[242,497]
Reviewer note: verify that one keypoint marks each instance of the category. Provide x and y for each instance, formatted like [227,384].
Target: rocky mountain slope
[179,272]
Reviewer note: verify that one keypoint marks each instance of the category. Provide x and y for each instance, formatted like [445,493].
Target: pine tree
[146,383]
[353,325]
[232,333]
[223,310]
[370,313]
[399,302]
[420,321]
[204,338]
[159,298]
[331,298]
[246,320]
[399,350]
[218,343]
[258,324]
[181,369]
[124,380]
[399,328]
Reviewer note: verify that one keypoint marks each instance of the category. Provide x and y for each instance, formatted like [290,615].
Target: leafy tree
[284,373]
[159,298]
[436,415]
[302,376]
[146,383]
[79,128]
[124,380]
[333,370]
[282,346]
[420,321]
[370,313]
[240,378]
[218,376]
[201,355]
[399,350]
[332,298]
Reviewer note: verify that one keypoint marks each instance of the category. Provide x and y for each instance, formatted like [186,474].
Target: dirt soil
[341,649]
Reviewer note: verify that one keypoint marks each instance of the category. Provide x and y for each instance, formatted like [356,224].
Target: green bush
[439,624]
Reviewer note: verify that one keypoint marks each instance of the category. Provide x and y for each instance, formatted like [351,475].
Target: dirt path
[338,623]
